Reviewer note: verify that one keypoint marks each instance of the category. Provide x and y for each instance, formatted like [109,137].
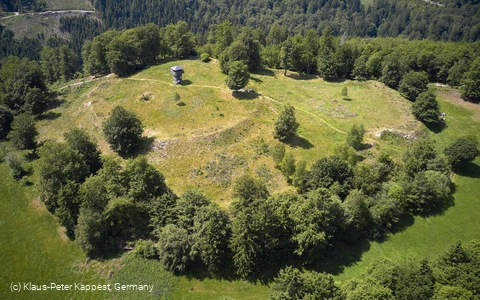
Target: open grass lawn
[206,136]
[34,249]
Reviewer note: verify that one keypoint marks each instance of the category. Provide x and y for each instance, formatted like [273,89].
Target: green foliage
[124,217]
[418,157]
[245,243]
[6,119]
[247,192]
[386,207]
[68,207]
[59,63]
[325,172]
[58,164]
[347,153]
[145,249]
[288,165]
[278,152]
[179,41]
[17,165]
[317,218]
[175,248]
[429,189]
[22,86]
[413,84]
[122,130]
[426,108]
[144,182]
[187,206]
[471,87]
[91,233]
[212,231]
[293,284]
[23,134]
[237,76]
[461,152]
[204,57]
[286,125]
[355,136]
[79,140]
[357,216]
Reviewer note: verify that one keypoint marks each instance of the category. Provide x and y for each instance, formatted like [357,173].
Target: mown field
[35,249]
[207,136]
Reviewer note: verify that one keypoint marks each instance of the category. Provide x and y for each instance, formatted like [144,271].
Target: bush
[122,130]
[204,57]
[145,249]
[461,152]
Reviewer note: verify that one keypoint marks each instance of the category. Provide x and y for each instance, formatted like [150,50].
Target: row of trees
[449,276]
[121,52]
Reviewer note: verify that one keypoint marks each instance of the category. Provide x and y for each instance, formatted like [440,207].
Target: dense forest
[454,20]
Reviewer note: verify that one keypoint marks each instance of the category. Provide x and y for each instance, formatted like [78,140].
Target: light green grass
[34,249]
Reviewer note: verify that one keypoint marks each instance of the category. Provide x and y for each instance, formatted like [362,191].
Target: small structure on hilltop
[177,72]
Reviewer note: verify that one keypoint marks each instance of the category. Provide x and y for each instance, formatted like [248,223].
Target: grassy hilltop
[200,134]
[211,135]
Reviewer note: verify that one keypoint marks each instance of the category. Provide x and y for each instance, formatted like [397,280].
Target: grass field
[216,135]
[34,249]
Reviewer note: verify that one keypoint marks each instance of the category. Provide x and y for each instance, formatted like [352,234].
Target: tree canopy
[122,130]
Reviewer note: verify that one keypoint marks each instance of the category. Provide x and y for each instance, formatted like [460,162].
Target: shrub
[204,57]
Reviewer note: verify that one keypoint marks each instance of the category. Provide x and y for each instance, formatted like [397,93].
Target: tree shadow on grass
[144,146]
[468,170]
[341,256]
[302,76]
[436,127]
[54,103]
[298,141]
[264,72]
[49,116]
[257,80]
[244,95]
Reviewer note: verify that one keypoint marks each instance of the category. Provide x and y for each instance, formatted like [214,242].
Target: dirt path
[84,81]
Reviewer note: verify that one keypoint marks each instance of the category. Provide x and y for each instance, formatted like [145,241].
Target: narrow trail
[84,81]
